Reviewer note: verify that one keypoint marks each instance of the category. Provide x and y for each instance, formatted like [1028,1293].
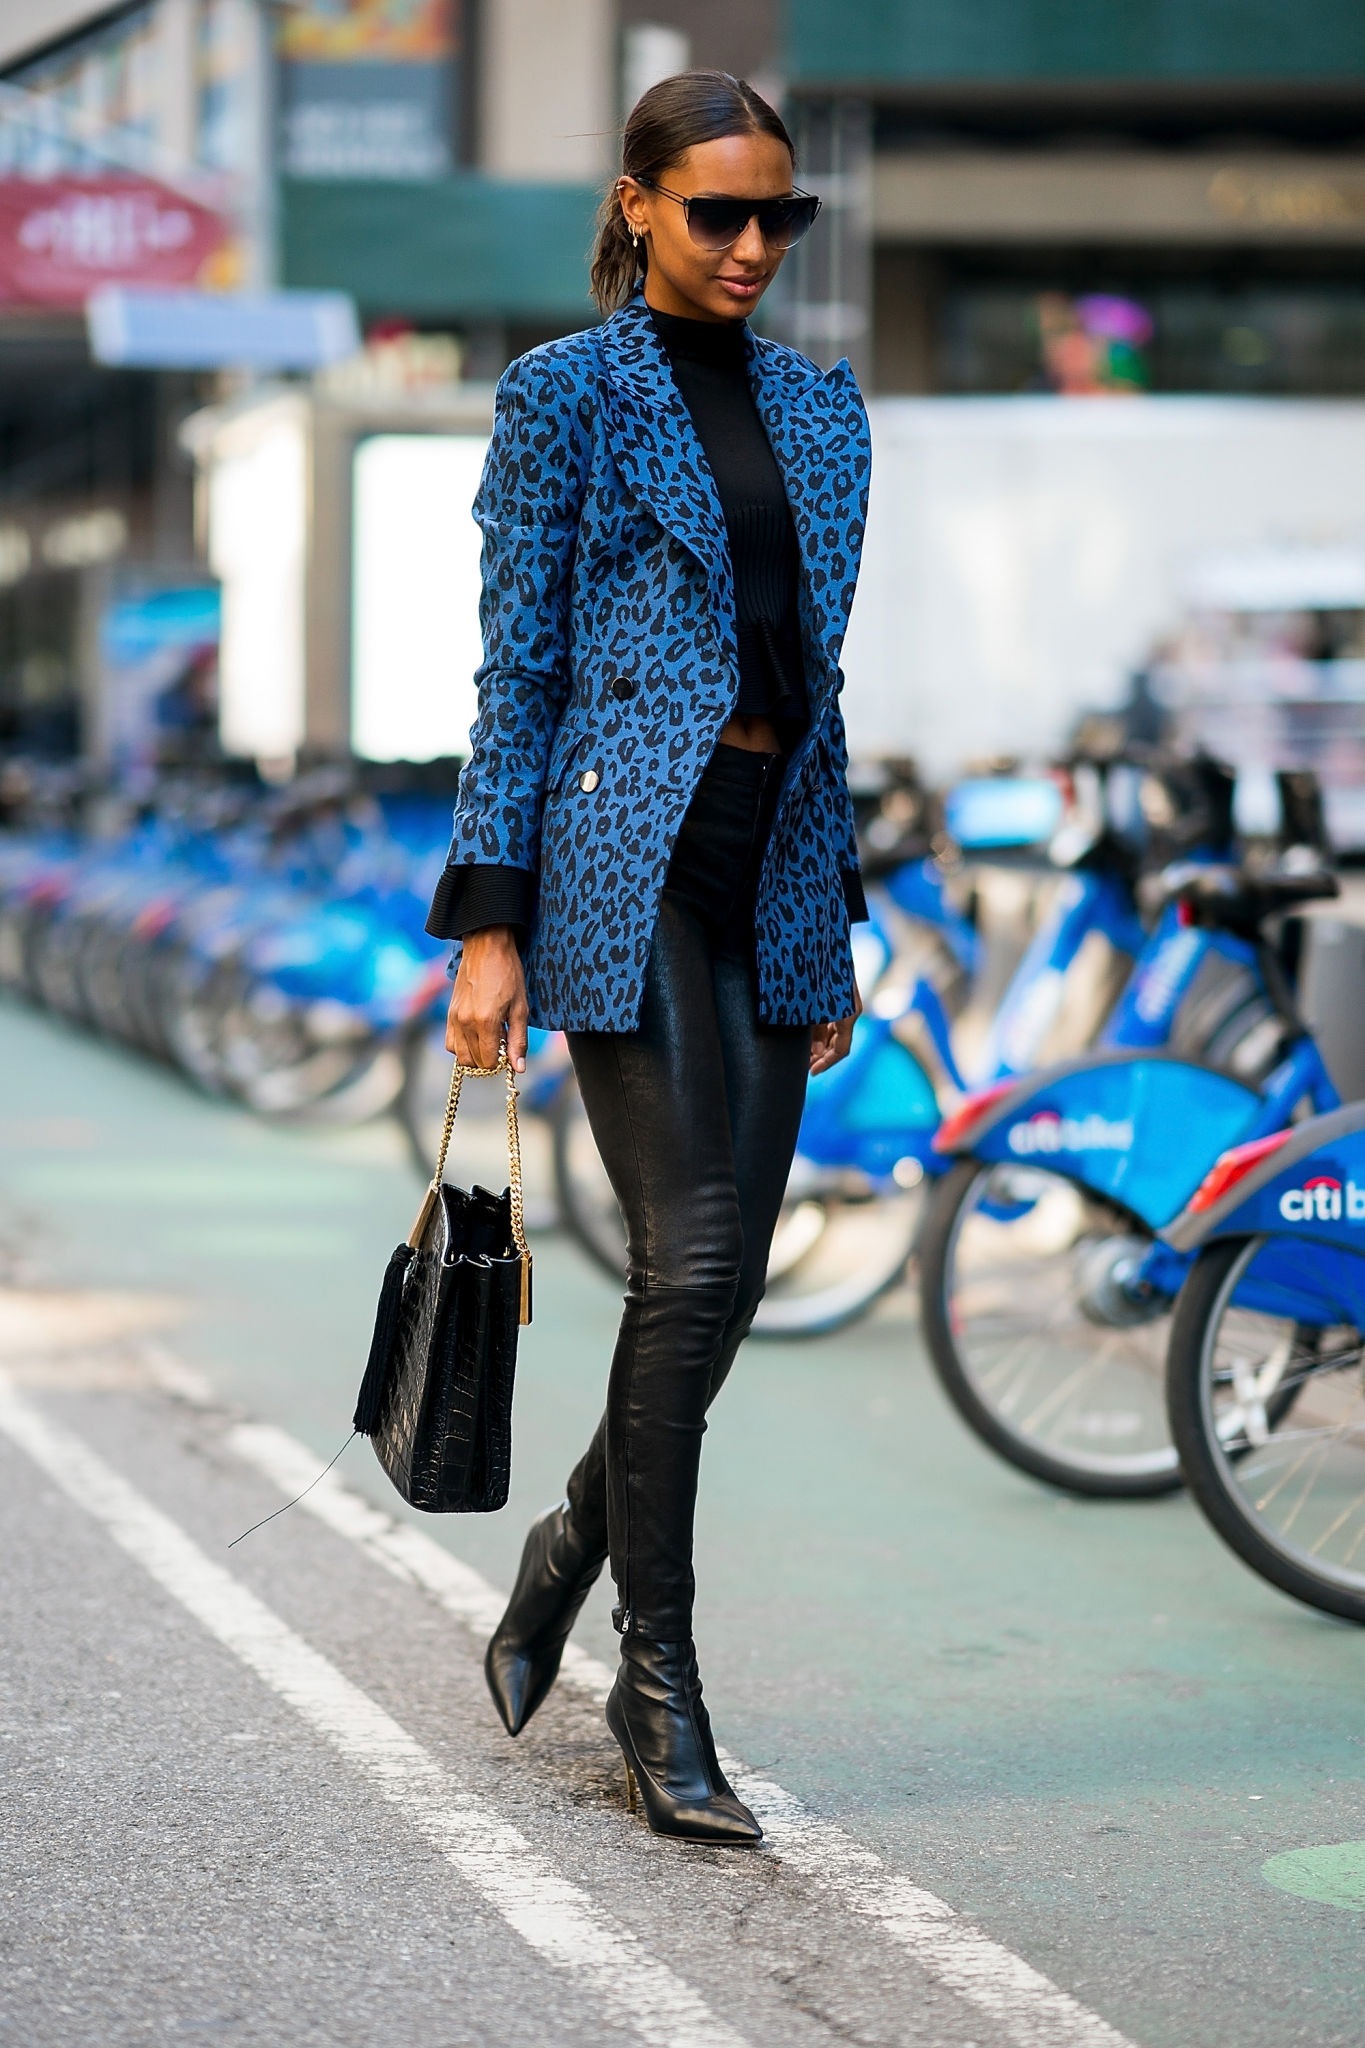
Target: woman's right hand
[488,1001]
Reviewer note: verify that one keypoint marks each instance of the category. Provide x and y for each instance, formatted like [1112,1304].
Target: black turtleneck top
[710,364]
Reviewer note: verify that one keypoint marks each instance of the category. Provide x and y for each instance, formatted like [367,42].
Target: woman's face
[703,284]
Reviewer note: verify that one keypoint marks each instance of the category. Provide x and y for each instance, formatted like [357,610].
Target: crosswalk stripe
[1031,2011]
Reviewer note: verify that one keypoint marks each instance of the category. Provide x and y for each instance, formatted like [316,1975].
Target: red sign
[60,237]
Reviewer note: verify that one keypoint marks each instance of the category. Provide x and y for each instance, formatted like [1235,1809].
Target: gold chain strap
[459,1075]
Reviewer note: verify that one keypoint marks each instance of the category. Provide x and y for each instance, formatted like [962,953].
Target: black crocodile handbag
[436,1399]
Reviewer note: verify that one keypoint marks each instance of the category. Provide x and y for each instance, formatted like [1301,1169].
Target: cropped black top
[709,359]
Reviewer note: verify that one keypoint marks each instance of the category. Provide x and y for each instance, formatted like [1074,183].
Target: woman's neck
[719,342]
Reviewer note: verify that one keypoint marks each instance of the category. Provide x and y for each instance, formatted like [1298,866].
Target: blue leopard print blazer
[610,665]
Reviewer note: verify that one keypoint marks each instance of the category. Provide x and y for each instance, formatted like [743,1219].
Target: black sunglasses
[717,224]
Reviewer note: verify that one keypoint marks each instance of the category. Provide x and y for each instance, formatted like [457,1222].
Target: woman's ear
[634,206]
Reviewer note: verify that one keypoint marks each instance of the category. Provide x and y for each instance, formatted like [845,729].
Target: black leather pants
[695,1115]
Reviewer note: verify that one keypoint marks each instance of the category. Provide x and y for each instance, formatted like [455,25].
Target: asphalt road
[1023,1761]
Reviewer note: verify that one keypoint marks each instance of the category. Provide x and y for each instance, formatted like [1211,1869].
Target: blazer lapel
[818,431]
[655,444]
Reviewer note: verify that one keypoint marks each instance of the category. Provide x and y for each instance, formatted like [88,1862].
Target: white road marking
[555,1917]
[1031,2010]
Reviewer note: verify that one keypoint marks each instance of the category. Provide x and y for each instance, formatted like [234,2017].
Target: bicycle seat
[1238,900]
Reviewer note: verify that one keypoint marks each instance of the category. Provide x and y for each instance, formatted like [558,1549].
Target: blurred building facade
[986,171]
[1021,195]
[114,161]
[1206,164]
[442,159]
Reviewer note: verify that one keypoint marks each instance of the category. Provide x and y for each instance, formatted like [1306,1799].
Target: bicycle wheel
[278,1058]
[55,951]
[100,981]
[1042,1344]
[191,1000]
[839,1243]
[1268,1415]
[836,1250]
[139,974]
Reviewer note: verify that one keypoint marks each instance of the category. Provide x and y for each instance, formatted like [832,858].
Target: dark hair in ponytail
[665,122]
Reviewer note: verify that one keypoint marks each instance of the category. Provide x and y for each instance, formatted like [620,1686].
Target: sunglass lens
[716,223]
[785,221]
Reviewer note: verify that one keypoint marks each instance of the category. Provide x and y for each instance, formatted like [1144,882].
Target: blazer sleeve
[528,506]
[850,860]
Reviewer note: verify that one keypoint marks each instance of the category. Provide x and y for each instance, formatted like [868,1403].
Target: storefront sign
[61,237]
[368,88]
[188,330]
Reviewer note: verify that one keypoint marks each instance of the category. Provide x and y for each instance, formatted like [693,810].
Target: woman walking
[653,845]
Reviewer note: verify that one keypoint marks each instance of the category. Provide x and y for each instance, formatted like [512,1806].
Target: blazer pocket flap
[567,761]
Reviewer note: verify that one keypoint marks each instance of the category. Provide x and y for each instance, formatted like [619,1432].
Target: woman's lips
[741,287]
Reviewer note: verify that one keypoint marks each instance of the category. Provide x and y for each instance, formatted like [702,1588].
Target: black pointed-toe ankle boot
[558,1570]
[656,1713]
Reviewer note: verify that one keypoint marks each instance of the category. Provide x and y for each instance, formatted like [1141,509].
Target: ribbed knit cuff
[470,897]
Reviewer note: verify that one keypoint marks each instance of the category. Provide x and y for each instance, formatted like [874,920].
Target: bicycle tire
[100,983]
[937,1245]
[139,968]
[55,953]
[839,1303]
[276,1068]
[1200,1307]
[187,993]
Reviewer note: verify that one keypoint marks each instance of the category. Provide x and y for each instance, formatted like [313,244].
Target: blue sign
[188,330]
[1003,810]
[183,616]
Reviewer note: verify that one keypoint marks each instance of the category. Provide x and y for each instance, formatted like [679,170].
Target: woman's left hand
[829,1043]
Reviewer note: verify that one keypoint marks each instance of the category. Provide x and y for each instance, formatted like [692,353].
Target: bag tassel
[370,1402]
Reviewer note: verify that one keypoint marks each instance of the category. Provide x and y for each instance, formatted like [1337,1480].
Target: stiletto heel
[632,1788]
[655,1711]
[557,1572]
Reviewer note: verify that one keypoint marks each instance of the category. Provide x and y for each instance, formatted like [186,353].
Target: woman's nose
[750,248]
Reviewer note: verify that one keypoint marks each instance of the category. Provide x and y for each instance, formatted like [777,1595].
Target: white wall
[257,518]
[415,641]
[1022,554]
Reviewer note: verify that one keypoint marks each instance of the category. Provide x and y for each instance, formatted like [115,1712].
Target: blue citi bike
[1265,1379]
[1046,1285]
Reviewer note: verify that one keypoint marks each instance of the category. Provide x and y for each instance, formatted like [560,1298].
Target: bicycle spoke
[1048,1341]
[1301,1489]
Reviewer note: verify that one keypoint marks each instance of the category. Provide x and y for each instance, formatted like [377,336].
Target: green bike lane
[1081,1723]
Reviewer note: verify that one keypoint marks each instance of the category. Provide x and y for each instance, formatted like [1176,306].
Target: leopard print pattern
[610,664]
